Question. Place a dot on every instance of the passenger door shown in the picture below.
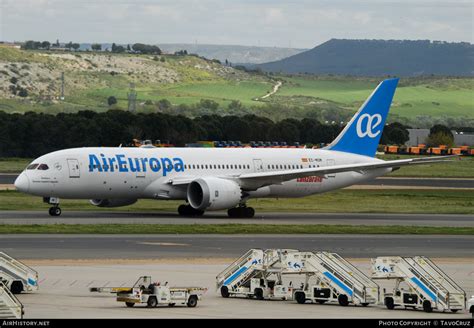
(73, 165)
(331, 162)
(258, 165)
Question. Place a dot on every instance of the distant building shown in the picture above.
(418, 136)
(463, 139)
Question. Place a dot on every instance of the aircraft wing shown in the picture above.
(257, 180)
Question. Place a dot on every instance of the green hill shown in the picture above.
(380, 58)
(90, 78)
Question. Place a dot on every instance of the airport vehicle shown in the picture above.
(470, 305)
(257, 274)
(209, 179)
(419, 284)
(17, 276)
(331, 278)
(144, 291)
(10, 306)
(325, 277)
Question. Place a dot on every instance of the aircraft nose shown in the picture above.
(22, 183)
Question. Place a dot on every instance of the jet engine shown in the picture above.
(112, 202)
(210, 193)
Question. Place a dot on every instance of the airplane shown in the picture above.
(210, 179)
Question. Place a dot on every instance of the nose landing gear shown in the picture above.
(55, 210)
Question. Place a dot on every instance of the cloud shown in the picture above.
(303, 23)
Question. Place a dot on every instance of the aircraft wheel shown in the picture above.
(55, 211)
(182, 210)
(232, 212)
(249, 212)
(188, 210)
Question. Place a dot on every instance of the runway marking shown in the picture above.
(161, 244)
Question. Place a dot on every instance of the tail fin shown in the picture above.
(362, 134)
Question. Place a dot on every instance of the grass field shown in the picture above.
(462, 167)
(227, 229)
(13, 165)
(345, 201)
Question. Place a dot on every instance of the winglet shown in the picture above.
(362, 134)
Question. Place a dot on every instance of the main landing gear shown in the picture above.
(241, 212)
(188, 210)
(54, 210)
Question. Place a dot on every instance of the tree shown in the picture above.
(117, 49)
(395, 133)
(164, 104)
(45, 45)
(146, 49)
(128, 48)
(32, 45)
(398, 136)
(441, 128)
(111, 100)
(96, 47)
(440, 135)
(209, 104)
(23, 93)
(235, 105)
(439, 138)
(76, 46)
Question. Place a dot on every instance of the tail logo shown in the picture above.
(373, 121)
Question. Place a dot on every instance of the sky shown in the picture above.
(275, 23)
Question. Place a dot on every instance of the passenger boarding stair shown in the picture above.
(10, 306)
(425, 278)
(339, 275)
(16, 275)
(254, 263)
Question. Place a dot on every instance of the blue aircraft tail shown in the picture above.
(362, 134)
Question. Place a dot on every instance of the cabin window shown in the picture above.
(32, 166)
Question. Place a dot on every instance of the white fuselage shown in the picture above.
(134, 173)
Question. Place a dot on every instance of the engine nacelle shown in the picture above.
(212, 193)
(112, 202)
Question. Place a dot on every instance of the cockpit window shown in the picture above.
(32, 166)
(43, 167)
